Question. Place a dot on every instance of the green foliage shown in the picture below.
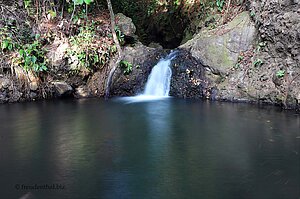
(240, 58)
(7, 44)
(126, 66)
(258, 62)
(32, 56)
(6, 41)
(87, 49)
(260, 46)
(220, 4)
(120, 35)
(52, 13)
(80, 2)
(237, 65)
(27, 3)
(280, 73)
(79, 15)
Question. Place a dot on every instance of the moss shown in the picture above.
(219, 56)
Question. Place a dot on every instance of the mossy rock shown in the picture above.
(219, 48)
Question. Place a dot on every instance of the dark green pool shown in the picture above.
(162, 149)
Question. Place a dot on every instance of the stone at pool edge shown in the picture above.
(62, 89)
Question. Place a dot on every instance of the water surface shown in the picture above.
(160, 149)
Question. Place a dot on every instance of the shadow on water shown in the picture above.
(157, 149)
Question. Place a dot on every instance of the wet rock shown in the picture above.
(62, 89)
(82, 92)
(188, 80)
(155, 45)
(142, 59)
(3, 96)
(96, 84)
(15, 96)
(33, 95)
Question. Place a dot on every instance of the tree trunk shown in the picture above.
(112, 64)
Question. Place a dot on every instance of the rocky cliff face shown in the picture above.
(278, 79)
(253, 59)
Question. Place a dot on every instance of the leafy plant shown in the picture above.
(260, 46)
(52, 14)
(7, 44)
(120, 35)
(237, 65)
(7, 41)
(80, 2)
(220, 4)
(258, 62)
(87, 49)
(32, 56)
(27, 3)
(240, 58)
(126, 66)
(280, 73)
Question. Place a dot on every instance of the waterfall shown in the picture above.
(158, 83)
(159, 80)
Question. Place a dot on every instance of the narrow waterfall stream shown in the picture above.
(158, 83)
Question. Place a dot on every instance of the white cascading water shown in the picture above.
(158, 83)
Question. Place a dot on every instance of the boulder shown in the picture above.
(56, 52)
(62, 89)
(188, 79)
(219, 48)
(96, 84)
(82, 92)
(125, 24)
(4, 83)
(3, 96)
(33, 86)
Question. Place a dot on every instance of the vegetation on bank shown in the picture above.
(34, 33)
(28, 27)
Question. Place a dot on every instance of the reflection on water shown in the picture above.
(158, 149)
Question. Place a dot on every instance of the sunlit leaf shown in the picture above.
(21, 52)
(33, 59)
(87, 1)
(4, 44)
(78, 2)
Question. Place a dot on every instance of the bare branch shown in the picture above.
(113, 65)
